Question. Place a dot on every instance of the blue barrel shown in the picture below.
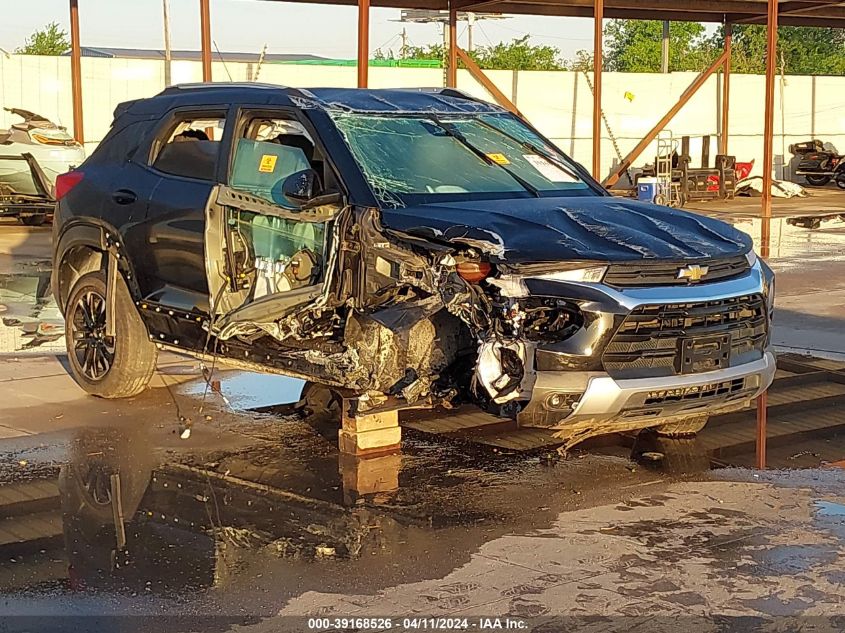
(646, 189)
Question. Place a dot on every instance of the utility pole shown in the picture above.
(470, 16)
(664, 66)
(168, 55)
(404, 50)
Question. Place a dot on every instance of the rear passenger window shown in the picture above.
(191, 148)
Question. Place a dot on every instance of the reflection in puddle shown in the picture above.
(830, 509)
(29, 317)
(246, 390)
(820, 238)
(672, 456)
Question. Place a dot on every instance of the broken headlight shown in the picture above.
(590, 274)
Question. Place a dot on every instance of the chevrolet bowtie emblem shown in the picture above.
(693, 272)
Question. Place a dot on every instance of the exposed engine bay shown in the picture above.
(391, 314)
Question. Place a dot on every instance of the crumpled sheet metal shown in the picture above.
(530, 230)
(408, 337)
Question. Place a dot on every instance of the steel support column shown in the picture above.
(598, 63)
(726, 89)
(768, 166)
(76, 72)
(363, 42)
(769, 124)
(452, 61)
(205, 38)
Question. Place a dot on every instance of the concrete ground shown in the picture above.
(256, 522)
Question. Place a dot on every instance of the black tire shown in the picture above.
(817, 181)
(33, 220)
(109, 368)
(683, 428)
(840, 181)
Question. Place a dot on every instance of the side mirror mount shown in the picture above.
(301, 187)
(304, 190)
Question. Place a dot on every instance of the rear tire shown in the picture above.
(683, 428)
(817, 181)
(107, 367)
(840, 181)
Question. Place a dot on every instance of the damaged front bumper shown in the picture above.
(563, 400)
(645, 356)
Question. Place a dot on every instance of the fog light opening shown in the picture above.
(560, 401)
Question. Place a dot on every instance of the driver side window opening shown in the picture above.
(278, 254)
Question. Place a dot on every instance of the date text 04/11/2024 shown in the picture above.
(419, 624)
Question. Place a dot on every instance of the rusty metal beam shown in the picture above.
(76, 72)
(768, 165)
(648, 138)
(363, 42)
(484, 80)
(769, 114)
(452, 62)
(713, 7)
(205, 38)
(726, 90)
(790, 8)
(598, 64)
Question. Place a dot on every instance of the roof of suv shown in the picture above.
(437, 100)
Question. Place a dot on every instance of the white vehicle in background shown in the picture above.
(32, 154)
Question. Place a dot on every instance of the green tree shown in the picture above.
(51, 40)
(636, 46)
(518, 54)
(801, 50)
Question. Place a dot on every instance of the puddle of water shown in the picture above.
(245, 390)
(830, 509)
(29, 317)
(794, 241)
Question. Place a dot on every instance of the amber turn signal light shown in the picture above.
(474, 272)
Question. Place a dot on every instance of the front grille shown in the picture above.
(648, 342)
(665, 273)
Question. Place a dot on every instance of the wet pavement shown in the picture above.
(256, 522)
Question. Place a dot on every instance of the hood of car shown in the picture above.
(527, 230)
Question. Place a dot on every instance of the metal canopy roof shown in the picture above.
(792, 12)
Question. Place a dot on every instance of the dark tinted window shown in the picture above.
(191, 148)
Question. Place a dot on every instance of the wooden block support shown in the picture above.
(370, 442)
(363, 434)
(369, 475)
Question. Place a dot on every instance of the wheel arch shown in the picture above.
(83, 247)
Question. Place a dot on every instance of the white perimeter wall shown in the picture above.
(557, 103)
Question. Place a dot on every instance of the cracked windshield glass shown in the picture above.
(418, 159)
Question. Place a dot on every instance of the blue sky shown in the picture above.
(246, 25)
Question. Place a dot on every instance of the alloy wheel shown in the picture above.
(93, 350)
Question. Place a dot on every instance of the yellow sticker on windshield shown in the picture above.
(499, 158)
(267, 164)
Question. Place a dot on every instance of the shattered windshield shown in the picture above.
(420, 158)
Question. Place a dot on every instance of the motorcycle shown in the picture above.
(818, 164)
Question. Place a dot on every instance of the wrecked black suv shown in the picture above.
(407, 248)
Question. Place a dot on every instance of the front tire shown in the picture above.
(817, 181)
(683, 428)
(108, 367)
